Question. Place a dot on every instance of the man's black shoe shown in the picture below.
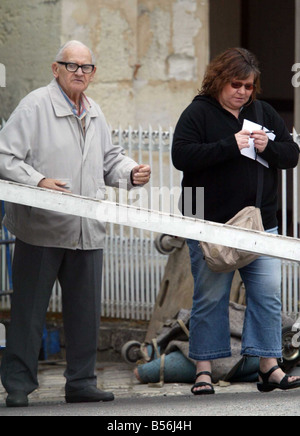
(17, 399)
(90, 394)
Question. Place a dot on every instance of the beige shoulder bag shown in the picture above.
(225, 259)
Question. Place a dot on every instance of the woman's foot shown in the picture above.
(271, 377)
(277, 375)
(204, 378)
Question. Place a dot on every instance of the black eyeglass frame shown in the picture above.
(66, 64)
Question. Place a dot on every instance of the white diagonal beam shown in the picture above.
(188, 228)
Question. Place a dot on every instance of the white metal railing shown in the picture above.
(291, 270)
(133, 269)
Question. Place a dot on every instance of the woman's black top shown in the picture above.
(205, 150)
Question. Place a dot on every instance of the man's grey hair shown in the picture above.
(60, 55)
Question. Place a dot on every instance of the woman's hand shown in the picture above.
(242, 139)
(260, 140)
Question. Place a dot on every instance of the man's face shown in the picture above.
(75, 83)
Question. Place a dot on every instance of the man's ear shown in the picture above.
(55, 69)
(93, 74)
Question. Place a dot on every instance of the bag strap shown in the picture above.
(260, 169)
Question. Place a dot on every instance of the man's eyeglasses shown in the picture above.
(238, 85)
(72, 68)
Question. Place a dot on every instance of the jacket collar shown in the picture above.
(60, 105)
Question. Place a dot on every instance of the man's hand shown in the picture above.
(141, 174)
(55, 185)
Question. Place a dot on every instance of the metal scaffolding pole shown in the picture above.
(252, 241)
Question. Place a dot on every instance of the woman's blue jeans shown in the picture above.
(209, 325)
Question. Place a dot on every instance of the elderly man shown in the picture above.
(57, 138)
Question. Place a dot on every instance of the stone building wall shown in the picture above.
(151, 54)
(29, 33)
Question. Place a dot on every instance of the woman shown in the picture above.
(207, 147)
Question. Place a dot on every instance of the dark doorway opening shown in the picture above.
(267, 28)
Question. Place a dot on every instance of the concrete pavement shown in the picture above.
(113, 377)
(135, 399)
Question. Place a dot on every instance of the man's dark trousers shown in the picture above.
(35, 270)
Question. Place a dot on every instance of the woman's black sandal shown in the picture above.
(202, 384)
(284, 385)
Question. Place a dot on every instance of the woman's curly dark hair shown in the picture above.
(233, 64)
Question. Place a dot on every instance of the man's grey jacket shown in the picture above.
(43, 138)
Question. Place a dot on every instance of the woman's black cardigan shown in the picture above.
(205, 150)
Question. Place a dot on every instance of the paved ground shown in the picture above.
(135, 399)
(115, 377)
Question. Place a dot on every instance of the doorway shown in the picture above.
(267, 28)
